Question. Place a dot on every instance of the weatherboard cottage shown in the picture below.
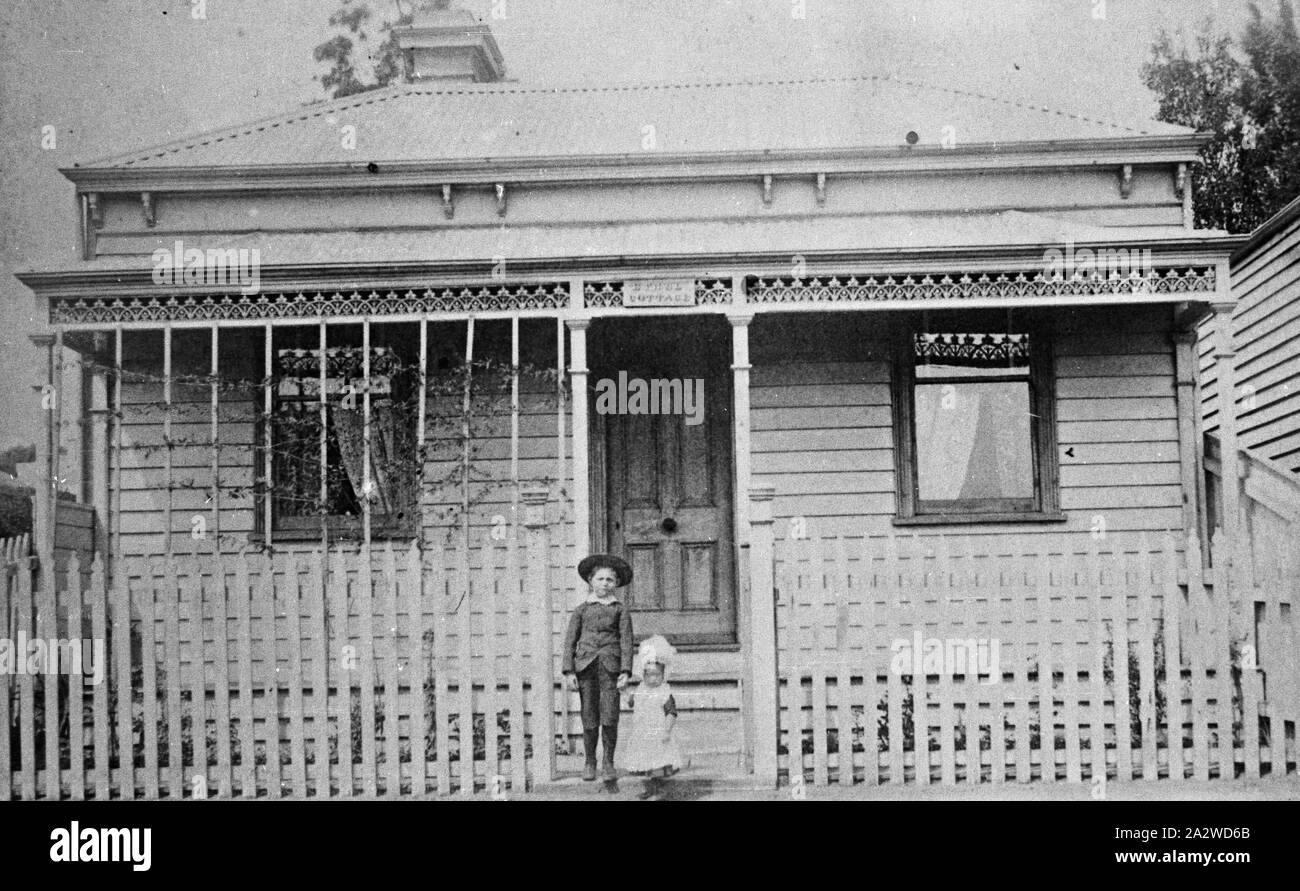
(938, 350)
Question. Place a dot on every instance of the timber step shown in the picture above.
(716, 771)
(692, 695)
(710, 730)
(712, 740)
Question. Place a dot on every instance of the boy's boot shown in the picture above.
(609, 736)
(589, 746)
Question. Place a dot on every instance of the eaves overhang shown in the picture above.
(376, 173)
(1268, 230)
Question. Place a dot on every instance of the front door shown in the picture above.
(668, 483)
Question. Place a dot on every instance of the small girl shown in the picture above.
(651, 749)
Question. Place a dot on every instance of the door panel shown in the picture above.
(646, 569)
(640, 448)
(696, 466)
(699, 569)
(668, 498)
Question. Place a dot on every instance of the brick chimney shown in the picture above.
(449, 44)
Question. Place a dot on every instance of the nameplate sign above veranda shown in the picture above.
(659, 292)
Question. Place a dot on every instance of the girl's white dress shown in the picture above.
(646, 750)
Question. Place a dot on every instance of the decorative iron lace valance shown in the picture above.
(973, 350)
(300, 369)
(1024, 285)
(151, 306)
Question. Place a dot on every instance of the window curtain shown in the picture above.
(975, 443)
(973, 437)
(392, 462)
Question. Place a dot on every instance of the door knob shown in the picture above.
(668, 525)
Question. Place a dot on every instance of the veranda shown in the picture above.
(429, 666)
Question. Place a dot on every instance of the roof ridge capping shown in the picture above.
(313, 109)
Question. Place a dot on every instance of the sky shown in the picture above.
(115, 75)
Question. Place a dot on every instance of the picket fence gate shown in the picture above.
(854, 708)
(327, 675)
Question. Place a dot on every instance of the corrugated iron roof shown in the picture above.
(422, 122)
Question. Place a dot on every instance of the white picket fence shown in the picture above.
(1206, 690)
(325, 678)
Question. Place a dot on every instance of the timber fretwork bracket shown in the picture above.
(92, 219)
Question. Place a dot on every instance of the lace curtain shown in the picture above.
(392, 460)
(973, 434)
(973, 441)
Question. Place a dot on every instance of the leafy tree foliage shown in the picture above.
(353, 22)
(1245, 92)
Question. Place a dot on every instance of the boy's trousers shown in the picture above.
(598, 691)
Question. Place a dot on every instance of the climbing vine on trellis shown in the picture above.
(447, 467)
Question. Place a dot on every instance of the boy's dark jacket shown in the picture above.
(598, 630)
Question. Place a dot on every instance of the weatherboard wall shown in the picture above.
(822, 436)
(1266, 336)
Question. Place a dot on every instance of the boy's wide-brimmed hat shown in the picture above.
(600, 561)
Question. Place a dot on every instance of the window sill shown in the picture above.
(967, 519)
(336, 536)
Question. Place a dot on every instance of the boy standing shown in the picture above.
(597, 656)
